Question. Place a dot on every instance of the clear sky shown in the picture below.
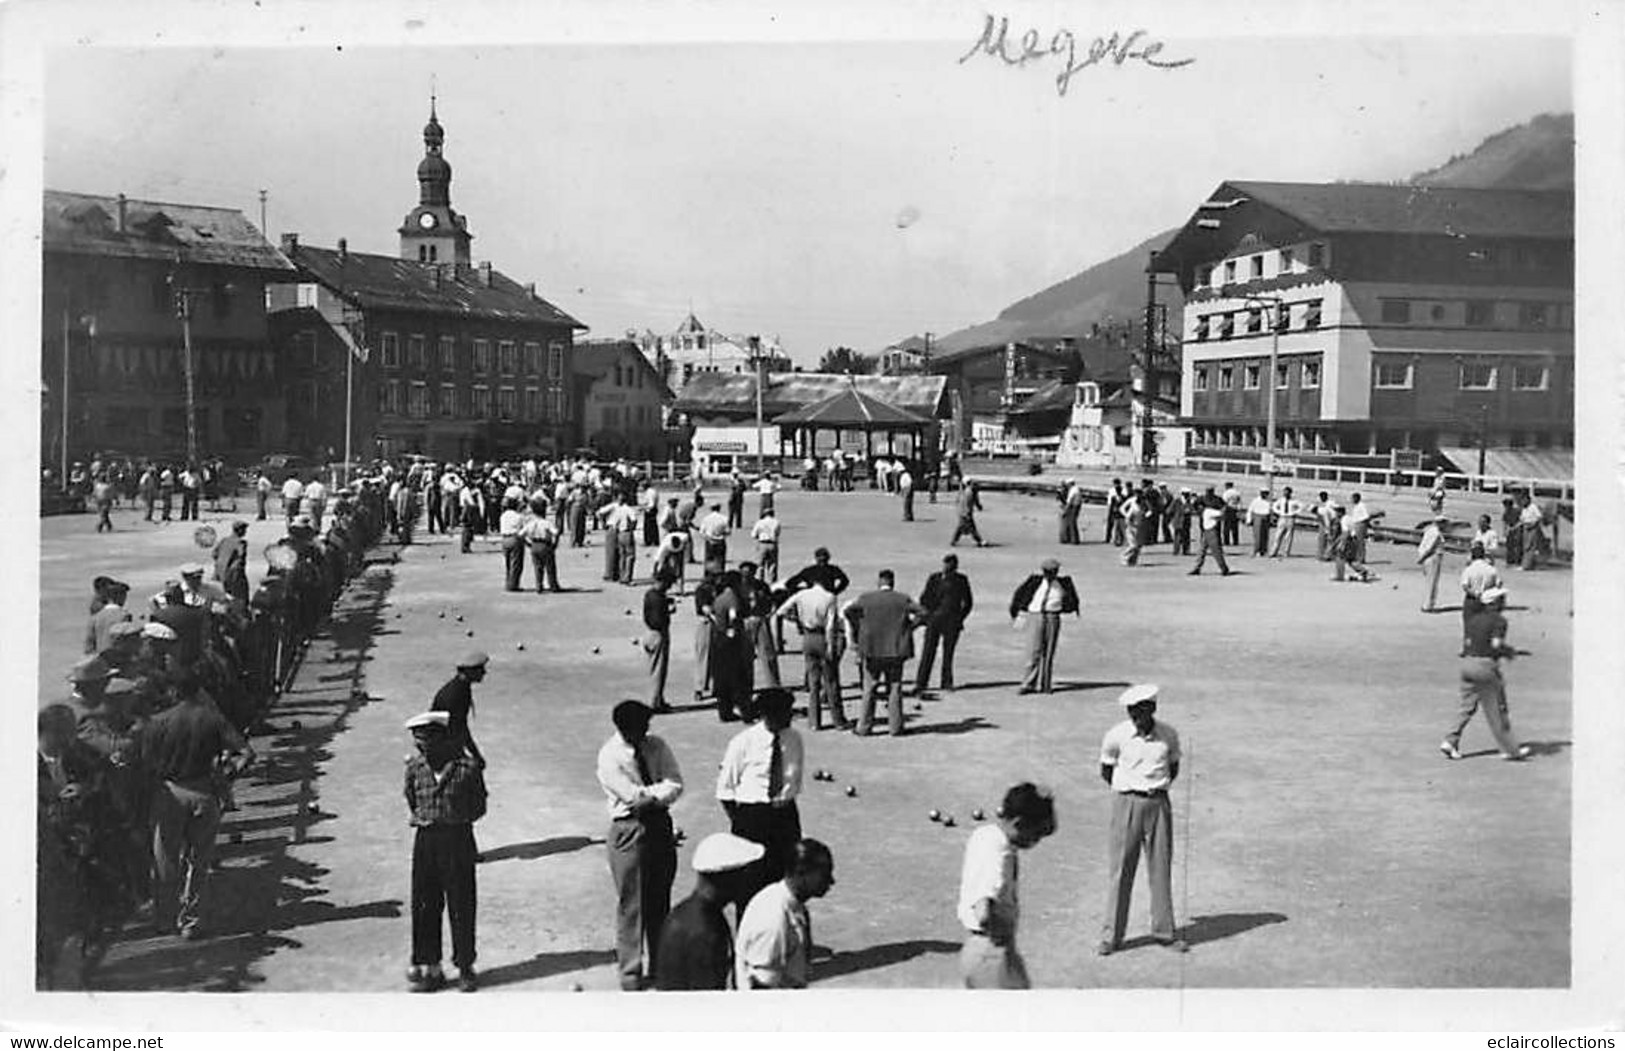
(830, 192)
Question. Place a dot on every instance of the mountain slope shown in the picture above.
(1538, 154)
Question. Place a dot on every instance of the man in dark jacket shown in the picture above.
(947, 600)
(696, 946)
(1044, 596)
(882, 625)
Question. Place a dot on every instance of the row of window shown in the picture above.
(611, 416)
(418, 400)
(1394, 375)
(420, 354)
(1252, 375)
(1285, 262)
(628, 375)
(1476, 313)
(1251, 320)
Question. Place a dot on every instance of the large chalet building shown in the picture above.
(118, 275)
(1407, 320)
(623, 402)
(431, 353)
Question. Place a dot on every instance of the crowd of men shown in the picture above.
(135, 765)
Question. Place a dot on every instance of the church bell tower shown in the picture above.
(433, 232)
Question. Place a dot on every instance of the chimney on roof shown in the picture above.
(530, 289)
(123, 211)
(344, 251)
(290, 243)
(485, 274)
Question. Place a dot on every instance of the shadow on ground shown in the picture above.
(540, 848)
(545, 965)
(260, 893)
(837, 964)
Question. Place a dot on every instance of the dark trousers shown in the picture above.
(1230, 526)
(966, 527)
(1211, 546)
(259, 505)
(1261, 535)
(104, 510)
(777, 828)
(643, 863)
(882, 673)
(468, 533)
(736, 513)
(731, 673)
(1043, 638)
(823, 682)
(626, 557)
(544, 561)
(948, 634)
(908, 505)
(189, 504)
(443, 879)
(513, 559)
(437, 524)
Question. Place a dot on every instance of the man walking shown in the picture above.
(989, 902)
(1139, 759)
(1484, 646)
(641, 781)
(231, 562)
(445, 795)
(882, 623)
(968, 503)
(947, 601)
(1430, 556)
(1044, 597)
(657, 610)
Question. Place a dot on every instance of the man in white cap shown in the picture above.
(1139, 759)
(445, 793)
(1430, 556)
(696, 944)
(1484, 645)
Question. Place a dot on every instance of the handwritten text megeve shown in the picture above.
(995, 41)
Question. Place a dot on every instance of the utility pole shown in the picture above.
(349, 356)
(67, 314)
(183, 307)
(758, 361)
(263, 195)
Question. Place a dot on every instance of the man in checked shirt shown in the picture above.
(639, 775)
(445, 792)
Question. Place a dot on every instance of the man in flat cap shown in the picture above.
(231, 562)
(1139, 759)
(111, 594)
(1044, 597)
(445, 794)
(696, 944)
(641, 780)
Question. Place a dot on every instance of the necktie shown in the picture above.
(775, 770)
(643, 763)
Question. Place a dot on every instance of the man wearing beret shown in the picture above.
(696, 945)
(1139, 759)
(456, 699)
(1043, 596)
(445, 793)
(641, 781)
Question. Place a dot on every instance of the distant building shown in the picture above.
(721, 409)
(622, 402)
(905, 357)
(116, 273)
(452, 360)
(693, 349)
(1411, 321)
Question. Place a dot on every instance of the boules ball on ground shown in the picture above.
(977, 815)
(851, 790)
(948, 821)
(935, 815)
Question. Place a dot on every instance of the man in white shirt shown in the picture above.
(1139, 759)
(1479, 576)
(1430, 556)
(1043, 597)
(509, 527)
(766, 534)
(1326, 527)
(1230, 532)
(775, 932)
(641, 781)
(766, 487)
(905, 486)
(989, 902)
(713, 530)
(292, 492)
(316, 501)
(451, 503)
(813, 610)
(1487, 537)
(1358, 523)
(1286, 511)
(541, 537)
(1258, 519)
(758, 783)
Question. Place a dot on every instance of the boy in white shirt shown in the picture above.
(989, 904)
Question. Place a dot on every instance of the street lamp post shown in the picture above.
(1269, 383)
(183, 308)
(757, 360)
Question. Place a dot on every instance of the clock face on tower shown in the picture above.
(427, 221)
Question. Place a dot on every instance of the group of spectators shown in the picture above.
(134, 767)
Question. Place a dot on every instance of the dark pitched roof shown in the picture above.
(852, 408)
(1457, 211)
(593, 359)
(725, 392)
(87, 224)
(382, 281)
(1054, 396)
